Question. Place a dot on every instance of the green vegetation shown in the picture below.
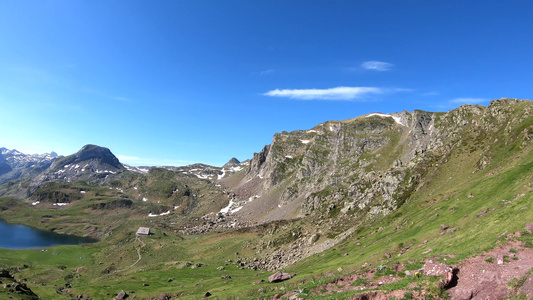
(480, 191)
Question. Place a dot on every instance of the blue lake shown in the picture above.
(13, 236)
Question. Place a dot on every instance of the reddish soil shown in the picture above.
(482, 279)
(489, 275)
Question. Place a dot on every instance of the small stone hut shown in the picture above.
(143, 231)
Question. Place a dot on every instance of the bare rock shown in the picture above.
(313, 239)
(122, 295)
(435, 268)
(482, 213)
(427, 251)
(259, 282)
(280, 276)
(529, 227)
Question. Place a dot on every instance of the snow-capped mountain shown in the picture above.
(15, 164)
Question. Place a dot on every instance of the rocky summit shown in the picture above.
(379, 206)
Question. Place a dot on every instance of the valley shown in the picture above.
(356, 209)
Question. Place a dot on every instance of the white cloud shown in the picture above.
(469, 100)
(266, 72)
(337, 93)
(377, 65)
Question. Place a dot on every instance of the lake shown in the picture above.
(14, 236)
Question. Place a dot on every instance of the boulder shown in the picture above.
(435, 268)
(280, 276)
(122, 295)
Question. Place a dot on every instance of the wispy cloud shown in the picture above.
(266, 72)
(337, 93)
(106, 95)
(469, 100)
(375, 65)
(118, 98)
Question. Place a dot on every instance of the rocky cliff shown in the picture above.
(341, 174)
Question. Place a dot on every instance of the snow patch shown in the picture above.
(82, 192)
(253, 198)
(35, 203)
(289, 156)
(236, 210)
(305, 141)
(202, 176)
(220, 176)
(60, 204)
(151, 215)
(312, 131)
(396, 119)
(226, 209)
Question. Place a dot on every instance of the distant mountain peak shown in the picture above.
(91, 152)
(232, 162)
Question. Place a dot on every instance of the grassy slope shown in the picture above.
(503, 190)
(453, 194)
(164, 257)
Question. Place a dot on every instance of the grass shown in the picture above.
(490, 260)
(441, 197)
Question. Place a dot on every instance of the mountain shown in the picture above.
(342, 174)
(371, 163)
(371, 207)
(17, 165)
(92, 164)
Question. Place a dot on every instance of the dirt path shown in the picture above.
(138, 251)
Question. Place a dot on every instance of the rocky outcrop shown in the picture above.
(10, 288)
(341, 173)
(279, 277)
(367, 166)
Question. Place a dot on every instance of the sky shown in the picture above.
(176, 82)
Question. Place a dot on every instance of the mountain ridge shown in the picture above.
(374, 197)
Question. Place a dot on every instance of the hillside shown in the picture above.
(353, 207)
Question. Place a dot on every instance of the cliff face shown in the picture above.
(370, 165)
(340, 175)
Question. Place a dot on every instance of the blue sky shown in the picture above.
(179, 82)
